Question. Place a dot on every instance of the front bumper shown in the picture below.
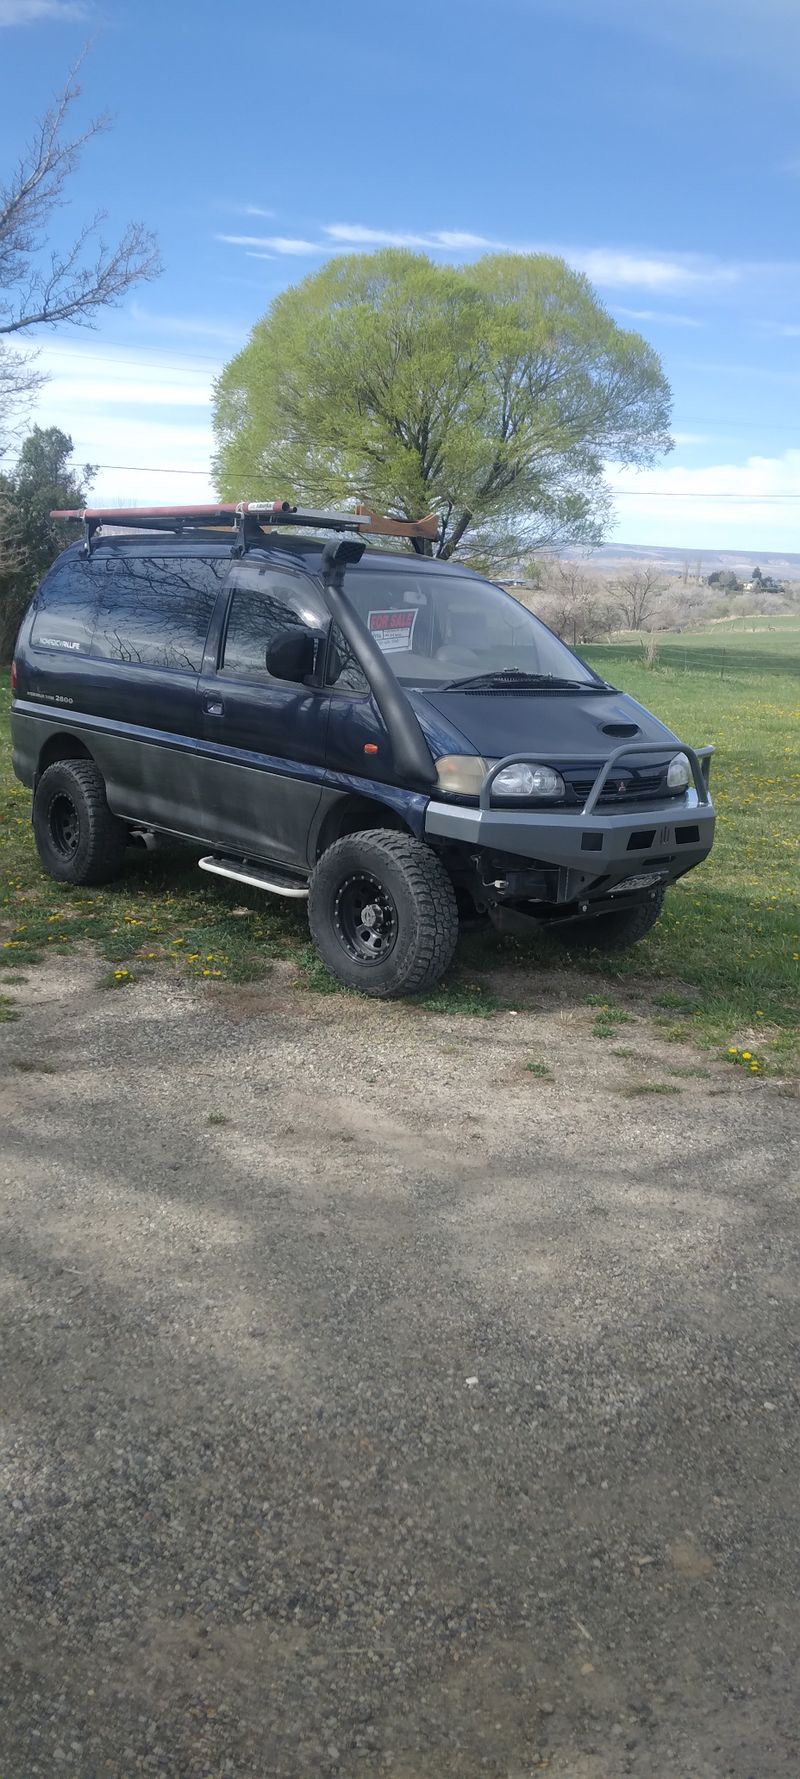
(671, 836)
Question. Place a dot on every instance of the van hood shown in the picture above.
(494, 724)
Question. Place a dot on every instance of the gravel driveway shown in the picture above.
(424, 1418)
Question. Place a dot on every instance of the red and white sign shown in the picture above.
(393, 630)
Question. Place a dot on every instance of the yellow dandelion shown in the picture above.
(745, 1056)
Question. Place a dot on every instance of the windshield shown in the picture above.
(440, 629)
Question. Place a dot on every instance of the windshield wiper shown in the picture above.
(516, 678)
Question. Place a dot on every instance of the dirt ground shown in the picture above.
(417, 1416)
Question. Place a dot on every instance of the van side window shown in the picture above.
(343, 669)
(66, 608)
(155, 610)
(265, 602)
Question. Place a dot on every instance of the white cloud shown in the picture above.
(665, 316)
(30, 12)
(762, 492)
(605, 265)
(648, 271)
(609, 267)
(87, 392)
(142, 416)
(131, 374)
(278, 243)
(354, 234)
(184, 327)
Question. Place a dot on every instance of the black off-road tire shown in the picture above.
(405, 889)
(616, 931)
(78, 839)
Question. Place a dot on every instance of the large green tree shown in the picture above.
(492, 394)
(44, 478)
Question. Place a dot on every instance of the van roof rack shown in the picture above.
(247, 520)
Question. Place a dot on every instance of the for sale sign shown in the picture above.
(393, 630)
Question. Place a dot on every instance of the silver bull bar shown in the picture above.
(699, 760)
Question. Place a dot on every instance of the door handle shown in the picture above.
(213, 707)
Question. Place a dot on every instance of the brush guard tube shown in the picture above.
(699, 760)
(602, 846)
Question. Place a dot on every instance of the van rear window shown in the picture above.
(66, 608)
(155, 611)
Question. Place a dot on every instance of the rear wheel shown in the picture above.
(382, 913)
(615, 931)
(78, 838)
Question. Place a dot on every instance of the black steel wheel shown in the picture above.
(382, 913)
(64, 825)
(365, 918)
(78, 838)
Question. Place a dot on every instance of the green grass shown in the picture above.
(730, 929)
(727, 947)
(607, 1016)
(455, 996)
(161, 914)
(721, 968)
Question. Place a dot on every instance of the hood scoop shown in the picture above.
(623, 731)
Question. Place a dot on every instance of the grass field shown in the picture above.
(722, 967)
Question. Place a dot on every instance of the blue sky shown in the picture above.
(655, 143)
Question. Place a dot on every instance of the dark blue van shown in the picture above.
(385, 734)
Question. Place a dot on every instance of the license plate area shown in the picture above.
(642, 880)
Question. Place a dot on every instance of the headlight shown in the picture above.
(528, 781)
(461, 774)
(679, 773)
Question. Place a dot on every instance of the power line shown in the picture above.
(149, 469)
(165, 469)
(89, 356)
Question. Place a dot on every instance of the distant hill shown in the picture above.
(783, 565)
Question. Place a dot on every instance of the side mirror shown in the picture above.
(293, 653)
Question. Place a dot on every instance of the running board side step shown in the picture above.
(242, 871)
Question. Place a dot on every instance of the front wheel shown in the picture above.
(615, 931)
(382, 913)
